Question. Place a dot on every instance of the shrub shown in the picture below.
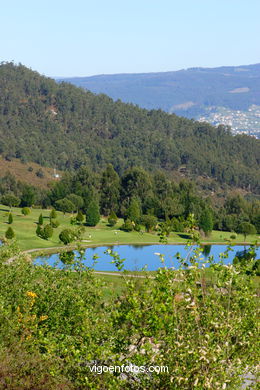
(54, 223)
(9, 234)
(80, 217)
(26, 211)
(149, 222)
(67, 257)
(79, 231)
(53, 214)
(67, 236)
(177, 226)
(127, 226)
(73, 221)
(47, 232)
(112, 219)
(137, 227)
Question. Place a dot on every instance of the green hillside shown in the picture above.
(63, 126)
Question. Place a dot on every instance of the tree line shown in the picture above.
(137, 196)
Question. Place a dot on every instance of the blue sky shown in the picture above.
(82, 38)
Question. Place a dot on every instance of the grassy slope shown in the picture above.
(25, 227)
(21, 172)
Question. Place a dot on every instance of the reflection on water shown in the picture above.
(138, 256)
(136, 246)
(206, 250)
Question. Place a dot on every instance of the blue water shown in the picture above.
(138, 256)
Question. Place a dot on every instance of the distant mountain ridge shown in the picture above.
(190, 93)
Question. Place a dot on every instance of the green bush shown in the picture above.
(54, 223)
(9, 234)
(45, 232)
(127, 226)
(56, 324)
(67, 236)
(53, 214)
(26, 211)
(149, 222)
(67, 257)
(112, 219)
(80, 217)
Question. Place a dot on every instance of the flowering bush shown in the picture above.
(200, 322)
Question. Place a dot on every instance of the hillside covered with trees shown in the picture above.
(66, 127)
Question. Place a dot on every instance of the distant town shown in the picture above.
(241, 122)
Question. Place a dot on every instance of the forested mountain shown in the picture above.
(60, 125)
(185, 92)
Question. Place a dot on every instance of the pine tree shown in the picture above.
(9, 234)
(39, 230)
(53, 214)
(40, 220)
(10, 218)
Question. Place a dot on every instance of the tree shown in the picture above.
(136, 183)
(79, 217)
(28, 196)
(53, 214)
(39, 230)
(76, 200)
(10, 218)
(134, 211)
(40, 220)
(9, 234)
(246, 228)
(92, 214)
(149, 221)
(110, 185)
(40, 173)
(65, 205)
(47, 232)
(206, 221)
(10, 200)
(67, 236)
(26, 211)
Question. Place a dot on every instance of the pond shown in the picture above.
(139, 256)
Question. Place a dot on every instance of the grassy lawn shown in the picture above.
(25, 231)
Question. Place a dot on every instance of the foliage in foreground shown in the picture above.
(203, 329)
